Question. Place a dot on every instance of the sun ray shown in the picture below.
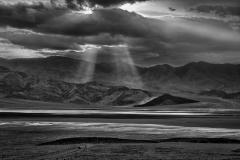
(87, 67)
(137, 81)
(117, 66)
(125, 67)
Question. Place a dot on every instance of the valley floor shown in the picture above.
(22, 130)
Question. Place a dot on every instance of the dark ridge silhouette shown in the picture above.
(221, 94)
(3, 68)
(215, 93)
(79, 140)
(167, 99)
(96, 140)
(236, 150)
(202, 140)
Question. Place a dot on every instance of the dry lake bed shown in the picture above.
(118, 133)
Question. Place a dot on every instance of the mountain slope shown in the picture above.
(192, 77)
(221, 94)
(167, 99)
(14, 84)
(59, 68)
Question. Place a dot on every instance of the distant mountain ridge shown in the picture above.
(167, 99)
(221, 94)
(19, 85)
(193, 77)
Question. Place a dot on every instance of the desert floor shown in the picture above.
(26, 124)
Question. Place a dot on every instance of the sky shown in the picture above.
(142, 32)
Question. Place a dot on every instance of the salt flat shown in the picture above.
(25, 124)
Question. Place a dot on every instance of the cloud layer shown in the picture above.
(56, 28)
(218, 10)
(81, 4)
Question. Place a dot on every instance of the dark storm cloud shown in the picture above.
(228, 14)
(80, 4)
(218, 10)
(48, 19)
(188, 3)
(57, 42)
(144, 37)
(23, 15)
(112, 21)
(118, 24)
(150, 41)
(43, 41)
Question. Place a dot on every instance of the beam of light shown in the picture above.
(137, 79)
(201, 28)
(87, 67)
(119, 68)
(125, 65)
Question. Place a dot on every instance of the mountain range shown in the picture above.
(20, 85)
(166, 99)
(192, 77)
(221, 94)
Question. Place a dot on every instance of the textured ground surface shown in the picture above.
(19, 140)
(20, 134)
